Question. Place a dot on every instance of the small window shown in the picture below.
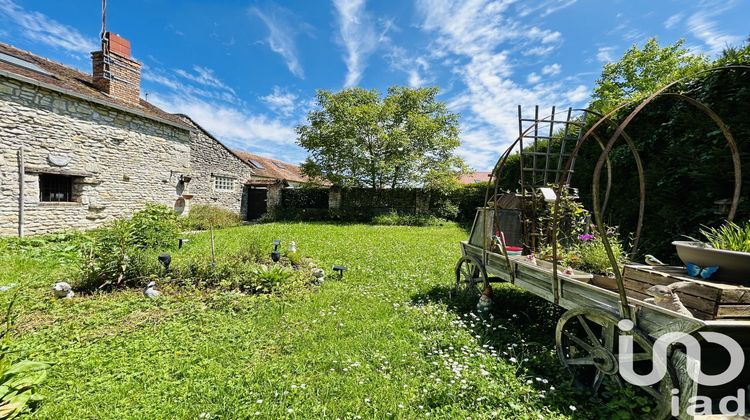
(55, 188)
(279, 165)
(223, 183)
(256, 163)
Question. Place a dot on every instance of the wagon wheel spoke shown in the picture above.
(592, 337)
(581, 361)
(578, 341)
(598, 379)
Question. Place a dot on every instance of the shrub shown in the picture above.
(154, 227)
(265, 279)
(445, 209)
(202, 216)
(113, 259)
(593, 256)
(123, 252)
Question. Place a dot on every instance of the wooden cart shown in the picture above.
(587, 334)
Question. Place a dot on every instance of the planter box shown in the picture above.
(705, 299)
(538, 278)
(734, 267)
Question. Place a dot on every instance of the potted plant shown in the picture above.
(592, 257)
(725, 251)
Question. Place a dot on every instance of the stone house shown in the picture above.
(219, 175)
(77, 150)
(270, 176)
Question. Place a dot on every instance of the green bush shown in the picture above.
(154, 227)
(593, 256)
(115, 258)
(123, 252)
(202, 216)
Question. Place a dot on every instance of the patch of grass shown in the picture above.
(388, 340)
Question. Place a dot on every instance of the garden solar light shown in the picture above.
(165, 260)
(340, 270)
(181, 242)
(275, 254)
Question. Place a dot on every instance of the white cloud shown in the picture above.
(477, 38)
(280, 101)
(703, 27)
(204, 76)
(604, 54)
(39, 27)
(543, 8)
(673, 20)
(551, 69)
(356, 35)
(281, 35)
(235, 126)
(578, 94)
(415, 68)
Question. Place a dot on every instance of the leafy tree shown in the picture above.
(355, 137)
(642, 71)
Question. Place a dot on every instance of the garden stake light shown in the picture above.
(275, 254)
(181, 242)
(340, 270)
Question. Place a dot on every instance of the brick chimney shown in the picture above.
(115, 72)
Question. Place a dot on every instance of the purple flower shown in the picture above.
(585, 237)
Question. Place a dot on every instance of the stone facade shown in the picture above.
(210, 160)
(116, 161)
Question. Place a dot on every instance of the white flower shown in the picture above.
(513, 360)
(259, 401)
(290, 410)
(572, 408)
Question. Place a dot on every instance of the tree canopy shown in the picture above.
(642, 71)
(356, 137)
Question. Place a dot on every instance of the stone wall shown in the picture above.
(118, 161)
(210, 159)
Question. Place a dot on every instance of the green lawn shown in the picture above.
(386, 341)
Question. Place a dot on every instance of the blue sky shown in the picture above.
(248, 70)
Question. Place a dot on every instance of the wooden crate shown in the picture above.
(705, 299)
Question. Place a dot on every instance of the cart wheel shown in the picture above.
(471, 276)
(587, 345)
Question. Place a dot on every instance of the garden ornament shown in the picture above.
(62, 289)
(319, 273)
(531, 259)
(704, 272)
(665, 297)
(568, 271)
(292, 247)
(150, 290)
(653, 261)
(485, 301)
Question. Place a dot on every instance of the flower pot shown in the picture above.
(734, 266)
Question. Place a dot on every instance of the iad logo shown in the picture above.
(700, 405)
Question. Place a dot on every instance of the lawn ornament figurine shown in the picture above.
(653, 261)
(62, 289)
(150, 290)
(485, 301)
(665, 297)
(292, 247)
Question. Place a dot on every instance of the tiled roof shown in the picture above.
(75, 83)
(272, 168)
(474, 177)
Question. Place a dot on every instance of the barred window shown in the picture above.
(223, 183)
(55, 188)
